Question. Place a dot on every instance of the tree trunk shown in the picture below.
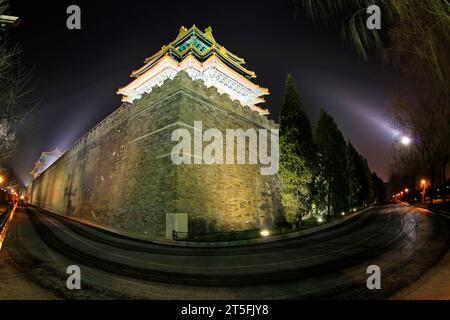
(444, 181)
(432, 184)
(412, 192)
(329, 197)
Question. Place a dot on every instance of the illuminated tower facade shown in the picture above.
(120, 175)
(202, 58)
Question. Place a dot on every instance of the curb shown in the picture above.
(440, 212)
(4, 230)
(237, 243)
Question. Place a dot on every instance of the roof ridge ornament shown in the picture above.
(183, 30)
(209, 35)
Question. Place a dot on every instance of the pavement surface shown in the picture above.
(409, 244)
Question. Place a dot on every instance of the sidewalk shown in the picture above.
(15, 286)
(433, 285)
(442, 209)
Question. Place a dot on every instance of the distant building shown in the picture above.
(45, 160)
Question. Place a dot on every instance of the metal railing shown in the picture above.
(4, 217)
(214, 236)
(225, 236)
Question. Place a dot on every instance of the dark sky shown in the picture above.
(78, 72)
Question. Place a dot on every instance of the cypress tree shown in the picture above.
(360, 180)
(355, 174)
(368, 185)
(297, 155)
(378, 188)
(295, 124)
(332, 160)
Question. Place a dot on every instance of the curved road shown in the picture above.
(402, 240)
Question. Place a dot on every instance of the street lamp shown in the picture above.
(405, 140)
(8, 21)
(424, 183)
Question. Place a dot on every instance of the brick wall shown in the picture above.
(120, 175)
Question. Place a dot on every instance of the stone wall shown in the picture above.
(120, 175)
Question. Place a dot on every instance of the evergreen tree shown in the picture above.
(297, 155)
(367, 189)
(378, 188)
(295, 179)
(295, 124)
(355, 174)
(332, 159)
(360, 180)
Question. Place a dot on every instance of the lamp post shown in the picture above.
(405, 141)
(423, 183)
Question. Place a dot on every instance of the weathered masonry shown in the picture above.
(120, 175)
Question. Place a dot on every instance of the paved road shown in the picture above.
(403, 240)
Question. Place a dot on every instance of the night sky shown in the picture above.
(77, 72)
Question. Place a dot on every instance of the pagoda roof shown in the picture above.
(200, 44)
(40, 165)
(55, 153)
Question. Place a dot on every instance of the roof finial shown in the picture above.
(183, 30)
(208, 33)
